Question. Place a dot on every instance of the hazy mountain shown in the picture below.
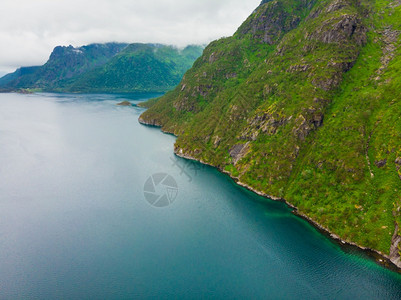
(108, 67)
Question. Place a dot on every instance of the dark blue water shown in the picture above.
(75, 224)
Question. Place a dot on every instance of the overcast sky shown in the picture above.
(30, 29)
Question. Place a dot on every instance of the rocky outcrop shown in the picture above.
(338, 29)
(328, 83)
(150, 122)
(381, 163)
(336, 5)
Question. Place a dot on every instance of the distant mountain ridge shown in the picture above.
(138, 67)
(23, 71)
(64, 63)
(111, 67)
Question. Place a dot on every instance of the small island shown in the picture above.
(125, 103)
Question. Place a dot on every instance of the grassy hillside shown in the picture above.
(303, 103)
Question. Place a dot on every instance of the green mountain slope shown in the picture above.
(24, 71)
(139, 67)
(64, 63)
(108, 67)
(303, 104)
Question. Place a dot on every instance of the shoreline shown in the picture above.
(379, 257)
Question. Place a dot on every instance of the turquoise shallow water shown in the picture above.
(75, 224)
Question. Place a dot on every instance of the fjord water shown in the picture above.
(74, 222)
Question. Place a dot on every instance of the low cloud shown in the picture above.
(29, 30)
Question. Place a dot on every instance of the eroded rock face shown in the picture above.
(389, 39)
(395, 3)
(338, 29)
(184, 104)
(265, 123)
(395, 247)
(238, 151)
(298, 68)
(212, 58)
(337, 69)
(330, 83)
(336, 5)
(305, 124)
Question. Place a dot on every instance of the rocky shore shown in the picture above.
(379, 257)
(392, 263)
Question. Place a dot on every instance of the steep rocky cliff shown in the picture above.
(302, 103)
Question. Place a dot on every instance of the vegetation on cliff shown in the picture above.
(303, 103)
